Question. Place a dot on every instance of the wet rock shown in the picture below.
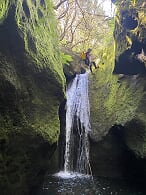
(130, 37)
(32, 88)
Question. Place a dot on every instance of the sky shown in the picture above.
(108, 7)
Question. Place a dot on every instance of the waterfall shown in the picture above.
(77, 126)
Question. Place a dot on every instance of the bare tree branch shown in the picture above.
(81, 22)
(64, 13)
(59, 4)
(64, 29)
(79, 42)
(81, 11)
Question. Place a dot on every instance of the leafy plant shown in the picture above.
(65, 58)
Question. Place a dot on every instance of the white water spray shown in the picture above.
(78, 114)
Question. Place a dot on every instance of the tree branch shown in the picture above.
(59, 4)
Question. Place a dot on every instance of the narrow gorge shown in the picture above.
(56, 116)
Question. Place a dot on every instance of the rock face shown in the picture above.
(117, 102)
(31, 90)
(120, 101)
(108, 156)
(130, 37)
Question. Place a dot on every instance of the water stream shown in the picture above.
(77, 115)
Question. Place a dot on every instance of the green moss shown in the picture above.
(32, 87)
(113, 101)
(124, 36)
(43, 85)
(40, 36)
(3, 9)
(48, 128)
(24, 156)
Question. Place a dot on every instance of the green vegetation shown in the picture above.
(65, 58)
(32, 87)
(116, 101)
(120, 100)
(38, 25)
(32, 83)
(3, 9)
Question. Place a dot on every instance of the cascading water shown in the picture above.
(77, 117)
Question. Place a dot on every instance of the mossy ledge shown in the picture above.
(32, 88)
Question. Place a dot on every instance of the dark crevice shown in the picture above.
(26, 9)
(69, 78)
(31, 43)
(40, 14)
(42, 3)
(8, 97)
(10, 39)
(129, 23)
(128, 63)
(111, 157)
(144, 44)
(62, 138)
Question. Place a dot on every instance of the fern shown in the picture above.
(65, 58)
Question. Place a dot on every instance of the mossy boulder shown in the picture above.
(32, 88)
(130, 37)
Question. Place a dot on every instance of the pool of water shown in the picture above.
(76, 184)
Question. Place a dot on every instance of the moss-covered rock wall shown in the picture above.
(130, 37)
(31, 90)
(116, 101)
